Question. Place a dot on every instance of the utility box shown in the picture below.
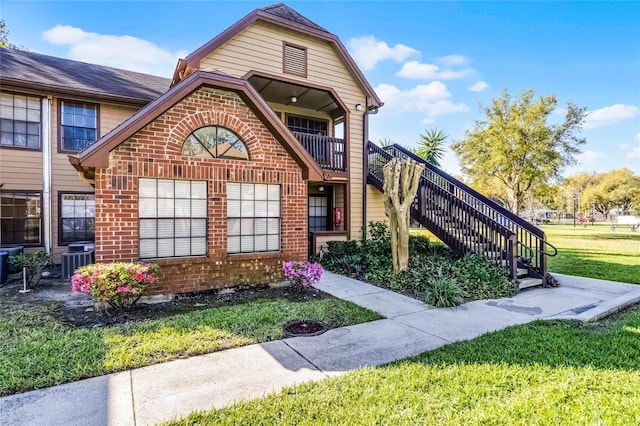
(74, 260)
(4, 266)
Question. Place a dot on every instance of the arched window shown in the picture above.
(216, 142)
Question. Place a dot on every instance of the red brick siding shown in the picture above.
(155, 152)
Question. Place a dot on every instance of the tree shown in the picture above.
(4, 37)
(517, 146)
(386, 142)
(401, 179)
(615, 189)
(430, 148)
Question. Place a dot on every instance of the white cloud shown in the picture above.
(480, 86)
(125, 52)
(624, 146)
(610, 115)
(367, 51)
(634, 153)
(420, 71)
(588, 157)
(453, 60)
(638, 136)
(431, 99)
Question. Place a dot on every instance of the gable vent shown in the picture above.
(295, 60)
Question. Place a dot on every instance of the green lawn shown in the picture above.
(595, 251)
(37, 349)
(543, 373)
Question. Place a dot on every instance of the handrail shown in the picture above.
(330, 153)
(530, 240)
(555, 250)
(461, 226)
(488, 201)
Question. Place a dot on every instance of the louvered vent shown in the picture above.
(295, 60)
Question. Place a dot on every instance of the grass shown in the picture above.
(543, 373)
(37, 349)
(595, 251)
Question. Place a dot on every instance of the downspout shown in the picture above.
(365, 161)
(46, 173)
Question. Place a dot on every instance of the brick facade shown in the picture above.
(155, 152)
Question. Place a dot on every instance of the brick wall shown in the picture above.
(155, 152)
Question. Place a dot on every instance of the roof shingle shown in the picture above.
(35, 70)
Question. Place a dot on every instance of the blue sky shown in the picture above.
(432, 63)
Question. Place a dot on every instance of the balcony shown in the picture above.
(328, 152)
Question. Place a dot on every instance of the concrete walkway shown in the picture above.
(171, 390)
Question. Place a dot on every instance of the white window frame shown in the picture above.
(20, 112)
(172, 218)
(253, 217)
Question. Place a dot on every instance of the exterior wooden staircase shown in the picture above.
(469, 222)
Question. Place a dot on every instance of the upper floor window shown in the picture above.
(19, 121)
(216, 142)
(312, 126)
(78, 125)
(294, 60)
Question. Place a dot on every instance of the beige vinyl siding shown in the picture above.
(259, 48)
(21, 169)
(375, 206)
(322, 240)
(65, 178)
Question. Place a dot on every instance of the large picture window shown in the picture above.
(20, 218)
(78, 125)
(19, 121)
(215, 142)
(173, 218)
(77, 217)
(253, 217)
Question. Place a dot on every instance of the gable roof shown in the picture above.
(31, 70)
(282, 15)
(97, 155)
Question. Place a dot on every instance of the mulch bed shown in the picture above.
(84, 316)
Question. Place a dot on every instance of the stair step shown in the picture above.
(529, 282)
(523, 272)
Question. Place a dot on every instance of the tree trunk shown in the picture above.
(401, 178)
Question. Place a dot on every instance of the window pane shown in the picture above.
(260, 226)
(261, 243)
(274, 192)
(183, 227)
(147, 188)
(198, 227)
(176, 227)
(198, 246)
(165, 247)
(183, 246)
(165, 189)
(183, 189)
(262, 192)
(183, 208)
(148, 249)
(233, 245)
(247, 192)
(246, 208)
(273, 242)
(199, 190)
(233, 227)
(274, 209)
(148, 228)
(147, 208)
(165, 228)
(246, 244)
(165, 207)
(261, 209)
(199, 208)
(233, 208)
(233, 191)
(246, 227)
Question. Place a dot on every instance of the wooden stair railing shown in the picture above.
(466, 220)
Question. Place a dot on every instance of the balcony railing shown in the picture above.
(329, 153)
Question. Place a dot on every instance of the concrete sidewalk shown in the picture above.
(170, 390)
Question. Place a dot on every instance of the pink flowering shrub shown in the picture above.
(302, 274)
(119, 284)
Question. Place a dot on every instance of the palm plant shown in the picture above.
(431, 146)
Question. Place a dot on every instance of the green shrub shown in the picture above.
(482, 279)
(443, 292)
(418, 245)
(34, 263)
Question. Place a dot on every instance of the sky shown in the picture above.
(433, 64)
